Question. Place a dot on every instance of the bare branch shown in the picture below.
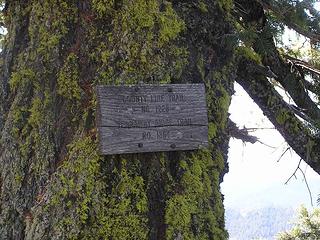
(288, 148)
(305, 180)
(304, 177)
(294, 173)
(267, 145)
(260, 128)
(305, 65)
(301, 113)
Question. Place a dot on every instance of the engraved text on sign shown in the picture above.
(150, 118)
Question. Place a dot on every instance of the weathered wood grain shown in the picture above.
(132, 140)
(148, 118)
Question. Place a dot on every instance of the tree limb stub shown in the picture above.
(241, 134)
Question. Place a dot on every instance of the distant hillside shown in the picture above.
(277, 194)
(260, 224)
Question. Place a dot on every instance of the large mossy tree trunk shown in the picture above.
(54, 183)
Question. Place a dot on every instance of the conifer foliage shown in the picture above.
(306, 227)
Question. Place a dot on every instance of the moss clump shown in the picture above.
(203, 6)
(170, 25)
(68, 79)
(212, 130)
(178, 216)
(190, 213)
(218, 101)
(76, 187)
(36, 113)
(18, 119)
(282, 116)
(21, 78)
(140, 44)
(225, 5)
(285, 118)
(54, 17)
(102, 7)
(126, 207)
(86, 200)
(248, 53)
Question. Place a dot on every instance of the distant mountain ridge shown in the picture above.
(263, 224)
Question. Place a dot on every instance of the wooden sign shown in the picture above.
(151, 118)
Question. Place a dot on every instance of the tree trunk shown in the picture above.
(54, 183)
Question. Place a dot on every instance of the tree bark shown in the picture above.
(54, 183)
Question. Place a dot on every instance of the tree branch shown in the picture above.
(276, 109)
(305, 180)
(284, 152)
(315, 37)
(311, 87)
(292, 82)
(309, 190)
(294, 173)
(305, 65)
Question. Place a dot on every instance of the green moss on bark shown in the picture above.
(81, 190)
(190, 213)
(68, 79)
(140, 44)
